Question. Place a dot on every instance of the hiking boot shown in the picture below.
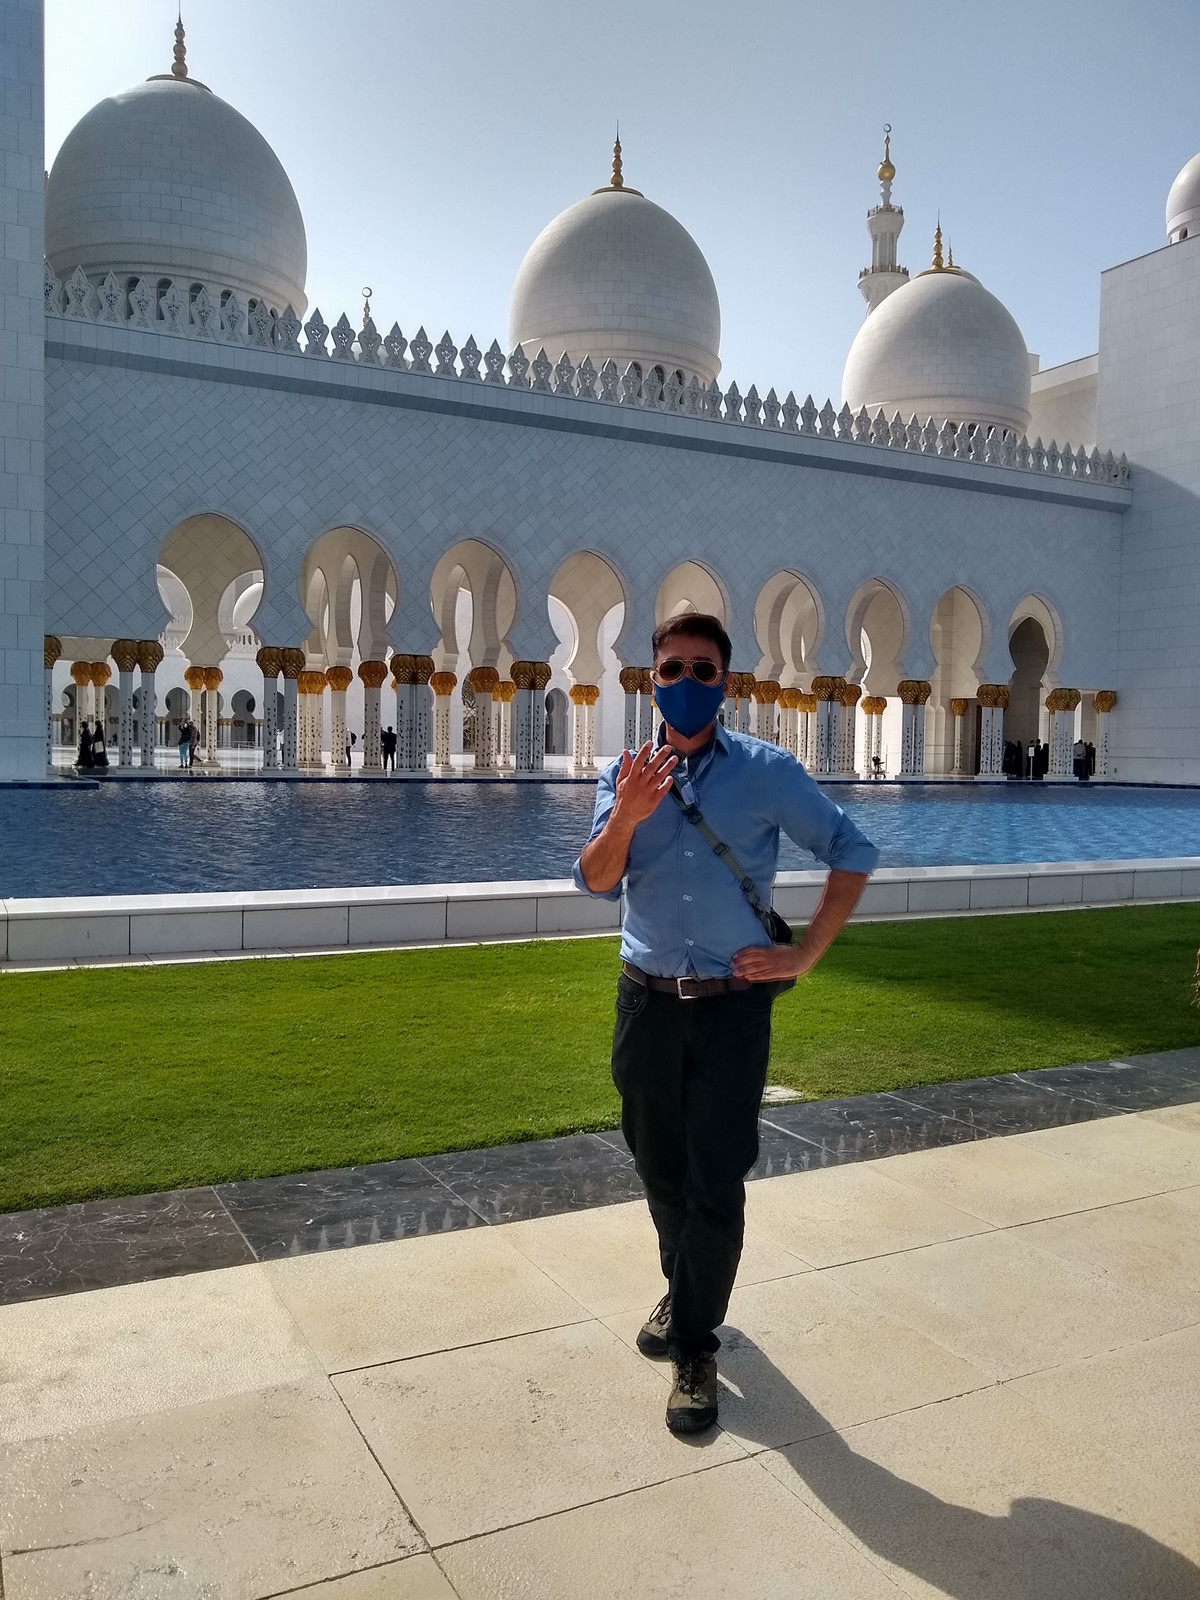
(652, 1339)
(693, 1403)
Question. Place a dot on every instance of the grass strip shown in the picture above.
(127, 1080)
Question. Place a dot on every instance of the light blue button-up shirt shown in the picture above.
(684, 911)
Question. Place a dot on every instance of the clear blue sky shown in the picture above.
(430, 143)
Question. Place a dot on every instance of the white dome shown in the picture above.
(616, 277)
(166, 180)
(941, 346)
(1183, 203)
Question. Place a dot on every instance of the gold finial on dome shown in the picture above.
(617, 181)
(886, 170)
(938, 264)
(179, 64)
(950, 267)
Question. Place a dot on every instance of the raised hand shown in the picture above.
(643, 779)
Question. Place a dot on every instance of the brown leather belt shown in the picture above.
(685, 988)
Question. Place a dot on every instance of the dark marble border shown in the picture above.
(66, 1249)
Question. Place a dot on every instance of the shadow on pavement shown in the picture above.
(1042, 1550)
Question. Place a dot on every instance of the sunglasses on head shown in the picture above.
(673, 668)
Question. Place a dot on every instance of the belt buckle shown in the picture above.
(688, 988)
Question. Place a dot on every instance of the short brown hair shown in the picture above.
(694, 625)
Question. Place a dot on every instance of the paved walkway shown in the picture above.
(968, 1371)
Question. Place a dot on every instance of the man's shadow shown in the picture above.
(1042, 1550)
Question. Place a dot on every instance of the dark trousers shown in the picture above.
(690, 1074)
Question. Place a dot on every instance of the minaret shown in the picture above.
(884, 223)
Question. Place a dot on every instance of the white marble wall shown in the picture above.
(22, 678)
(419, 463)
(1149, 399)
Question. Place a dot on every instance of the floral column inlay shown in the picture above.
(851, 695)
(339, 680)
(51, 652)
(828, 692)
(1061, 704)
(914, 694)
(1103, 702)
(484, 681)
(958, 710)
(291, 665)
(212, 682)
(442, 684)
(630, 680)
(873, 708)
(125, 654)
(372, 674)
(583, 697)
(270, 662)
(646, 707)
(149, 655)
(765, 695)
(788, 701)
(81, 677)
(505, 690)
(993, 703)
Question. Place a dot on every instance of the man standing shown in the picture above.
(699, 973)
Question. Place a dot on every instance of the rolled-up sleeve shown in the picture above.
(606, 799)
(812, 820)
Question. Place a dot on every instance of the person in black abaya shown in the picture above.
(84, 758)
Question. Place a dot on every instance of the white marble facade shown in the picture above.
(483, 535)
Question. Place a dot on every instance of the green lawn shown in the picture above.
(125, 1080)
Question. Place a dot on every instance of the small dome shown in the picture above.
(941, 346)
(1183, 203)
(615, 277)
(165, 180)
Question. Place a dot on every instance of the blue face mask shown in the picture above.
(688, 706)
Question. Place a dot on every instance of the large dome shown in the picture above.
(941, 346)
(1183, 203)
(166, 180)
(616, 277)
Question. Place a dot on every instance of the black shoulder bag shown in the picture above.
(778, 931)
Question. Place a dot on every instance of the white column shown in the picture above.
(269, 662)
(150, 654)
(647, 711)
(51, 652)
(504, 700)
(529, 737)
(848, 719)
(958, 710)
(766, 695)
(339, 680)
(993, 702)
(1062, 704)
(443, 684)
(828, 723)
(484, 681)
(291, 720)
(914, 693)
(631, 717)
(372, 674)
(1103, 702)
(212, 678)
(421, 721)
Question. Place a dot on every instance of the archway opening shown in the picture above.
(586, 601)
(957, 636)
(876, 632)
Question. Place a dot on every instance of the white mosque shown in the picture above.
(297, 528)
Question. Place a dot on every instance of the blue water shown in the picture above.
(127, 838)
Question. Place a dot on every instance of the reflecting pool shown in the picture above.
(179, 838)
